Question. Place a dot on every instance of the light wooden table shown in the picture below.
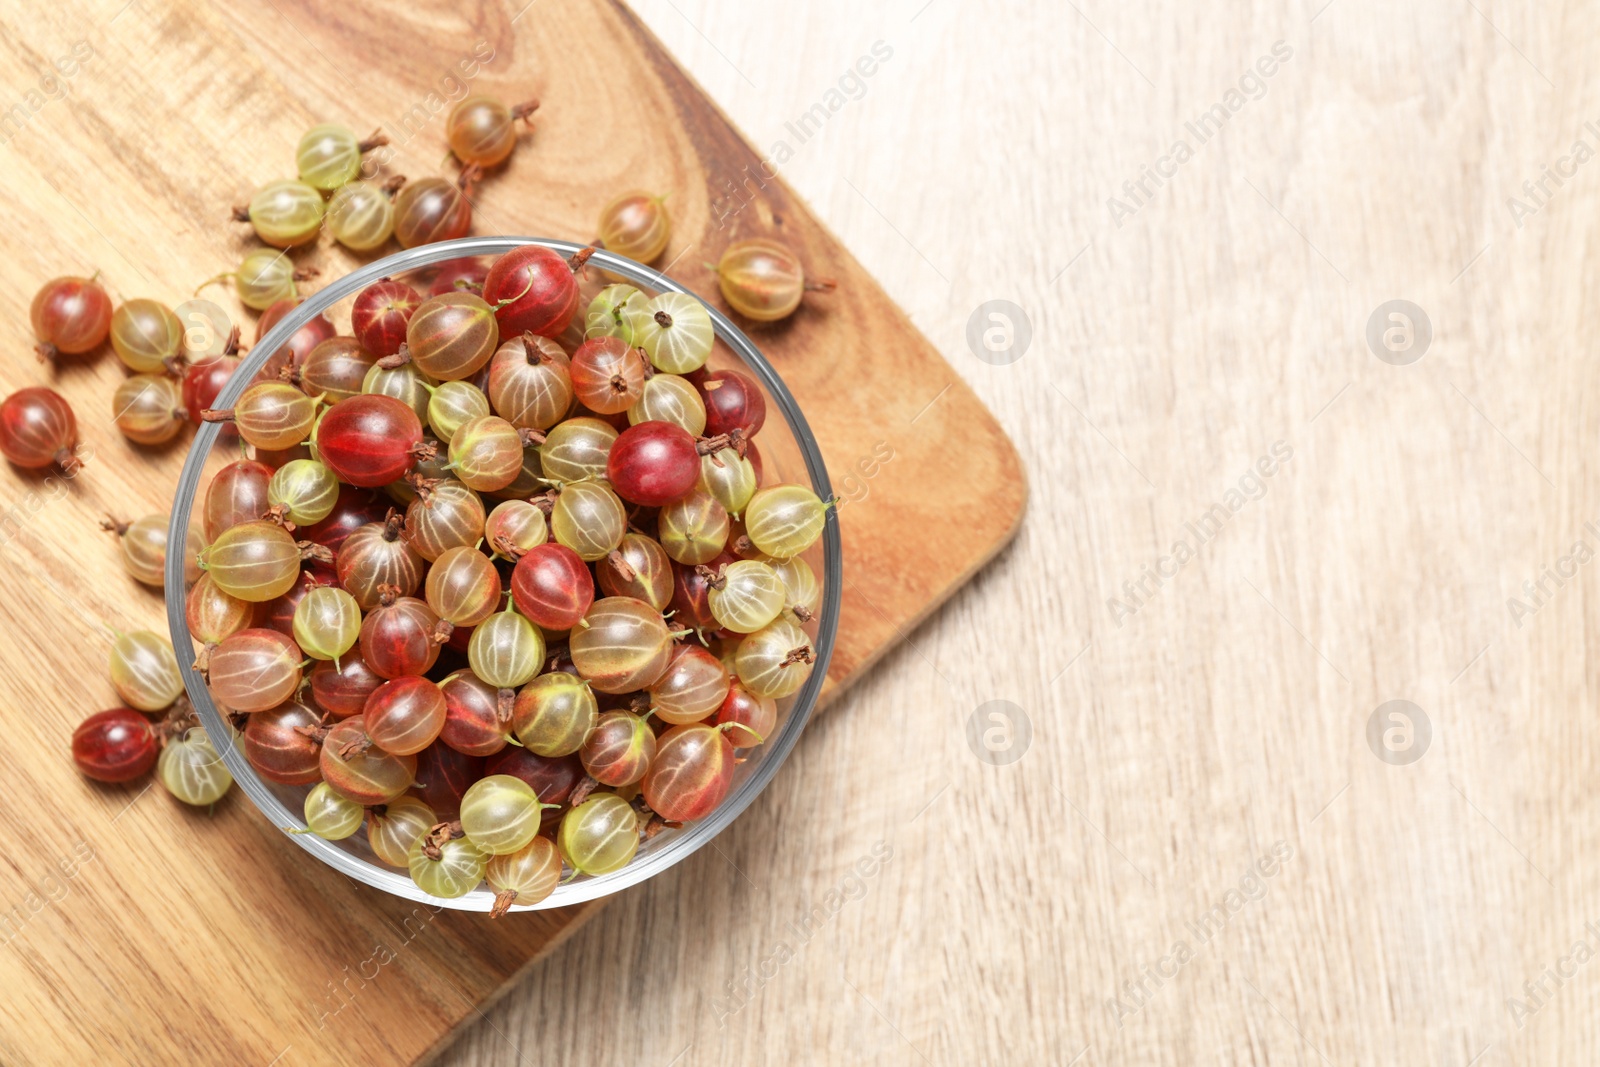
(1171, 754)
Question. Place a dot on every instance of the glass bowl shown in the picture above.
(789, 453)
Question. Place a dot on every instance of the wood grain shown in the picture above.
(142, 932)
(1230, 712)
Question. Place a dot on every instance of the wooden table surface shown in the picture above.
(1139, 794)
(1032, 912)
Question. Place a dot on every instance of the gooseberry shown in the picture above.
(380, 315)
(635, 225)
(434, 209)
(653, 464)
(115, 746)
(763, 280)
(691, 772)
(600, 835)
(369, 440)
(452, 336)
(37, 428)
(404, 716)
(70, 316)
(533, 289)
(146, 335)
(623, 645)
(482, 130)
(607, 375)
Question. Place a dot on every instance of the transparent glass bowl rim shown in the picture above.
(681, 844)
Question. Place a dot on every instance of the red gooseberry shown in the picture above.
(376, 556)
(533, 289)
(695, 685)
(380, 314)
(691, 772)
(238, 493)
(316, 330)
(353, 509)
(472, 724)
(454, 275)
(370, 440)
(638, 568)
(115, 746)
(452, 337)
(552, 777)
(619, 750)
(733, 402)
(691, 587)
(255, 670)
(336, 369)
(753, 717)
(360, 771)
(443, 776)
(552, 586)
(434, 209)
(404, 716)
(38, 428)
(70, 316)
(397, 637)
(282, 744)
(653, 463)
(341, 687)
(202, 382)
(607, 375)
(753, 454)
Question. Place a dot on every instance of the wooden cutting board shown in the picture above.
(135, 929)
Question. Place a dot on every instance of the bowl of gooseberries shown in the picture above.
(517, 578)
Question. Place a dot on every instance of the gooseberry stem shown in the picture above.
(423, 486)
(802, 654)
(734, 439)
(620, 564)
(730, 726)
(502, 903)
(581, 791)
(214, 279)
(400, 358)
(530, 349)
(393, 524)
(438, 835)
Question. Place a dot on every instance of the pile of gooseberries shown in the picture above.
(499, 575)
(514, 598)
(154, 729)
